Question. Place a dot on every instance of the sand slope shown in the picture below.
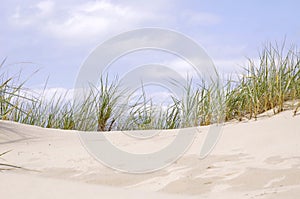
(253, 159)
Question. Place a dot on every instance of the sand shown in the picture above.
(252, 159)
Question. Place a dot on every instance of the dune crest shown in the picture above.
(253, 159)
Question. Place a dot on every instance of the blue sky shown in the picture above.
(56, 36)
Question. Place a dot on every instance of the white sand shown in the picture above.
(253, 159)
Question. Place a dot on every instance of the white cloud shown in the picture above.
(33, 14)
(225, 67)
(93, 19)
(45, 7)
(50, 94)
(18, 18)
(230, 65)
(181, 66)
(86, 21)
(201, 18)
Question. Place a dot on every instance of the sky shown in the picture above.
(55, 37)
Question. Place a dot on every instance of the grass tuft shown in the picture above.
(266, 84)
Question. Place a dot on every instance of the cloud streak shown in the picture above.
(80, 22)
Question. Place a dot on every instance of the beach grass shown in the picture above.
(266, 85)
(263, 85)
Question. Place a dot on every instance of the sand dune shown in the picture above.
(252, 159)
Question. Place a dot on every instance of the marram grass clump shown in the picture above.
(266, 84)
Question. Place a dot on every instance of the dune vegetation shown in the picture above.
(266, 84)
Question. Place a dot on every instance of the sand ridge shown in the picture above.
(252, 159)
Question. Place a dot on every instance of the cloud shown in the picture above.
(84, 21)
(92, 19)
(33, 14)
(201, 18)
(181, 66)
(50, 94)
(88, 22)
(45, 7)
